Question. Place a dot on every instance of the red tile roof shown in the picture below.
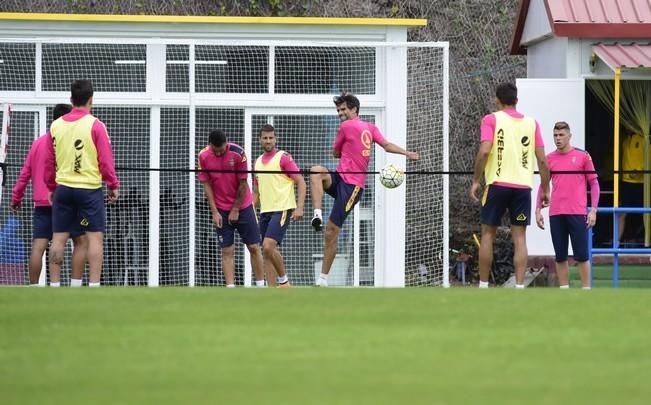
(624, 55)
(590, 19)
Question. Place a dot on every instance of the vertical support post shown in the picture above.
(191, 166)
(356, 246)
(248, 147)
(616, 248)
(446, 167)
(156, 62)
(40, 128)
(391, 264)
(618, 74)
(153, 274)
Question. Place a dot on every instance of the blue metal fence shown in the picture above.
(616, 250)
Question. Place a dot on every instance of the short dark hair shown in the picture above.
(267, 128)
(348, 98)
(81, 91)
(507, 93)
(59, 110)
(217, 137)
(562, 125)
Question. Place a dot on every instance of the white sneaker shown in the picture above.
(321, 282)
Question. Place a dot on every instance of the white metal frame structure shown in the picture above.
(387, 104)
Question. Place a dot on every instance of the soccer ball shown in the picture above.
(391, 176)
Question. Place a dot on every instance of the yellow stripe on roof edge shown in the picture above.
(407, 22)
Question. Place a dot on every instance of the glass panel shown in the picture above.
(325, 70)
(17, 67)
(176, 71)
(232, 69)
(118, 68)
(219, 69)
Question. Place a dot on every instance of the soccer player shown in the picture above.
(79, 158)
(33, 170)
(274, 194)
(567, 208)
(352, 146)
(509, 141)
(231, 202)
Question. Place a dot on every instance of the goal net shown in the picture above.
(159, 100)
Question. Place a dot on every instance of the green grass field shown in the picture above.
(630, 276)
(324, 346)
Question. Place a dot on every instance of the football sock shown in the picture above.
(230, 285)
(483, 284)
(564, 287)
(586, 288)
(317, 213)
(519, 286)
(75, 282)
(259, 283)
(94, 285)
(57, 284)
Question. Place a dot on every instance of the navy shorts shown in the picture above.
(346, 197)
(497, 199)
(575, 226)
(78, 206)
(42, 224)
(246, 225)
(274, 224)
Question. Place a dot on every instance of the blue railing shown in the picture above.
(615, 250)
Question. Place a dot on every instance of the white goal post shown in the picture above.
(159, 98)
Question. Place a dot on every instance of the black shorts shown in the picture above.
(574, 226)
(346, 197)
(497, 199)
(42, 224)
(78, 205)
(273, 225)
(246, 226)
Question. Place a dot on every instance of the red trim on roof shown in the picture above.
(602, 30)
(624, 55)
(590, 19)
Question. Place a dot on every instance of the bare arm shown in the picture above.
(481, 160)
(300, 201)
(480, 164)
(216, 216)
(595, 190)
(256, 195)
(24, 177)
(234, 215)
(545, 175)
(241, 192)
(393, 148)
